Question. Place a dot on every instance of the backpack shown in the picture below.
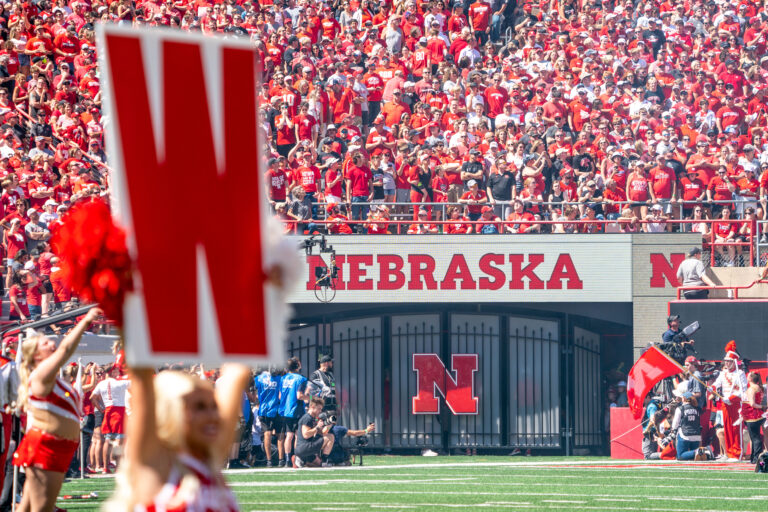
(762, 463)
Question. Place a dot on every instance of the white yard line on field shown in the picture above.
(302, 482)
(646, 509)
(490, 504)
(488, 493)
(559, 464)
(458, 481)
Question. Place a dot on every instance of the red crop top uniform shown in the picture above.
(207, 492)
(43, 450)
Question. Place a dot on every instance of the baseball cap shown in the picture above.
(486, 209)
(471, 183)
(691, 359)
(31, 211)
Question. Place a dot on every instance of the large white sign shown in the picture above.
(476, 268)
(184, 124)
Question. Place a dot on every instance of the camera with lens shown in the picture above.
(328, 418)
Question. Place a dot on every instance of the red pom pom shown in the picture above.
(731, 347)
(94, 258)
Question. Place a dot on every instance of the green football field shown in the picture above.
(491, 483)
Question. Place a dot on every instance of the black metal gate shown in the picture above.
(527, 373)
(587, 396)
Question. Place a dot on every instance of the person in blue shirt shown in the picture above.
(268, 389)
(293, 394)
(338, 455)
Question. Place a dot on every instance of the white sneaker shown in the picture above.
(327, 465)
(428, 453)
(732, 459)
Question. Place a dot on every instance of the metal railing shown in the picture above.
(677, 207)
(621, 225)
(761, 243)
(733, 291)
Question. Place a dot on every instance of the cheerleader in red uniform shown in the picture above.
(53, 416)
(752, 410)
(179, 434)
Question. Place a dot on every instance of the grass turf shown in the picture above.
(491, 483)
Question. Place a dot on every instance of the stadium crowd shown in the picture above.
(491, 116)
(515, 111)
(494, 116)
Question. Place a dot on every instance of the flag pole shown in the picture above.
(682, 370)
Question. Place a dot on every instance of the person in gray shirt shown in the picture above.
(692, 273)
(36, 230)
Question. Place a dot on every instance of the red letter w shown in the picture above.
(192, 205)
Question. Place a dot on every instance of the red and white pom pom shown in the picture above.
(94, 258)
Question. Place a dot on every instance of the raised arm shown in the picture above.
(229, 396)
(142, 423)
(44, 375)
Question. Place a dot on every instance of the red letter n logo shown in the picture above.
(432, 378)
(186, 149)
(662, 271)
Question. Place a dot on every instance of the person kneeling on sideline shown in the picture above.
(314, 440)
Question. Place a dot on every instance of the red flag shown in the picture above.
(653, 366)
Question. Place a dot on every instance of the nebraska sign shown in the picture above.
(184, 117)
(432, 378)
(478, 268)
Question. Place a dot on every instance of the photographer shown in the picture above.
(687, 423)
(652, 436)
(338, 455)
(675, 342)
(323, 379)
(313, 440)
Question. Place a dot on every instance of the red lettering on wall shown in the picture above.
(390, 265)
(663, 271)
(564, 269)
(458, 269)
(497, 275)
(357, 273)
(432, 378)
(422, 266)
(518, 271)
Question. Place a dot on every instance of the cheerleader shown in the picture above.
(179, 433)
(53, 416)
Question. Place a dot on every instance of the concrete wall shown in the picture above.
(738, 276)
(652, 288)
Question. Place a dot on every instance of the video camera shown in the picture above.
(325, 276)
(686, 332)
(328, 418)
(309, 243)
